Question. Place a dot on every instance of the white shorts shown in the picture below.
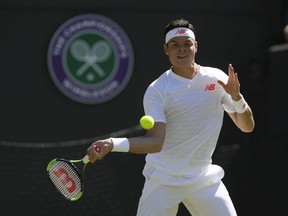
(163, 200)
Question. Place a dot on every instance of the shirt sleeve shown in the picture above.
(227, 103)
(154, 104)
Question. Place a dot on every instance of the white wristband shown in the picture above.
(240, 105)
(120, 144)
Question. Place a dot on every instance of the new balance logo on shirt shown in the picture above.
(210, 87)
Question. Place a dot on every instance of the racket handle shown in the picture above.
(86, 159)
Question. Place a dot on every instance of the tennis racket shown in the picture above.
(66, 176)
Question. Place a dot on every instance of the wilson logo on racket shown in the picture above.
(65, 179)
(90, 59)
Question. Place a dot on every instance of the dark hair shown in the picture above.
(178, 23)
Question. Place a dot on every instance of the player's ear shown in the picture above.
(196, 46)
(165, 47)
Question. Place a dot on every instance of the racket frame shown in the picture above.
(84, 160)
(73, 166)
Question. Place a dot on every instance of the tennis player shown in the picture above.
(187, 102)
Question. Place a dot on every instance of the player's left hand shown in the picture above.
(232, 86)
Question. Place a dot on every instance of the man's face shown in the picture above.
(181, 51)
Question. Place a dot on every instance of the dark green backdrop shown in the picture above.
(38, 122)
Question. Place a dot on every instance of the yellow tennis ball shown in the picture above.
(147, 122)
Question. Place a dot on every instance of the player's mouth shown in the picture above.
(181, 57)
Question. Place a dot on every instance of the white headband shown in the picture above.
(176, 32)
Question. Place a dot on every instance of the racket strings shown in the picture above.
(66, 179)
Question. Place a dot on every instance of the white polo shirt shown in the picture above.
(193, 111)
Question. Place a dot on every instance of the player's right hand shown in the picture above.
(99, 149)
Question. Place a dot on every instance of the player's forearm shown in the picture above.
(245, 121)
(144, 145)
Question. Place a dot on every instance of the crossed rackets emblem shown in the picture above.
(90, 55)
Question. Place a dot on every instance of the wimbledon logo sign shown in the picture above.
(90, 59)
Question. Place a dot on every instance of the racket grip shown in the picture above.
(86, 159)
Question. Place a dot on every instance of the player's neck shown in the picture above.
(186, 72)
